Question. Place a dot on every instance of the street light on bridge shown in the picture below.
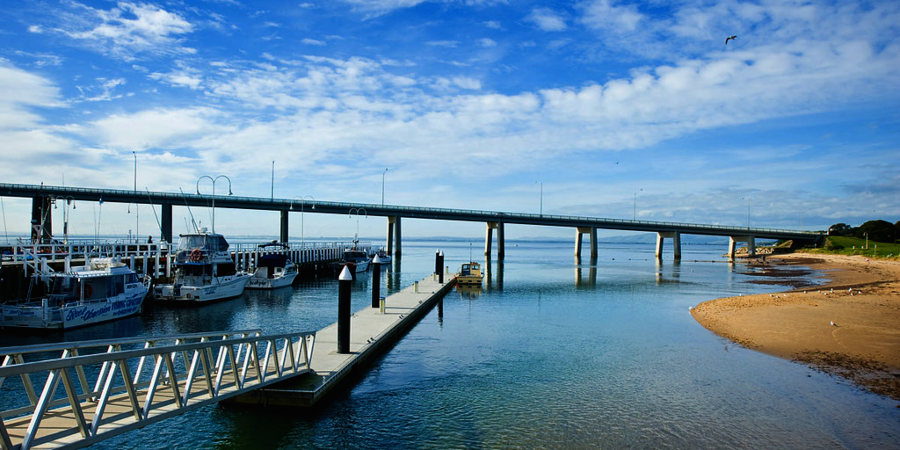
(302, 202)
(213, 194)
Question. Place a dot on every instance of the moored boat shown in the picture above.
(469, 274)
(105, 289)
(204, 271)
(273, 270)
(356, 259)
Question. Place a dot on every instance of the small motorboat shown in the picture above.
(469, 274)
(273, 270)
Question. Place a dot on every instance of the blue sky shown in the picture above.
(615, 109)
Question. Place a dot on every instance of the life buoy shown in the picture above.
(88, 291)
(196, 254)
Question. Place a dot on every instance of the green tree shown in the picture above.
(840, 229)
(877, 230)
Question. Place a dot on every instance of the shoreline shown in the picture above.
(849, 326)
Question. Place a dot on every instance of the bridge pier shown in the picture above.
(284, 226)
(501, 240)
(166, 222)
(41, 220)
(676, 244)
(733, 240)
(393, 236)
(592, 233)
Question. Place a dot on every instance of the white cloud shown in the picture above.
(128, 29)
(309, 41)
(159, 128)
(35, 29)
(603, 14)
(442, 43)
(182, 77)
(102, 91)
(19, 92)
(547, 19)
(487, 43)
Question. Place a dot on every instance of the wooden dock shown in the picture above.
(371, 333)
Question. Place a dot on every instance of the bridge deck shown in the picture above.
(370, 333)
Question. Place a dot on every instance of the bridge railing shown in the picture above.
(111, 386)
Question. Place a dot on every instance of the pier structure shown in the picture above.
(501, 240)
(43, 196)
(372, 330)
(98, 389)
(732, 244)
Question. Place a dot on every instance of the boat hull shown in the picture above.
(71, 315)
(219, 289)
(271, 283)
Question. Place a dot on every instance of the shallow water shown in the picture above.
(548, 354)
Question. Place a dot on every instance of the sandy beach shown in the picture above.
(849, 326)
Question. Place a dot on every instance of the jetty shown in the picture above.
(372, 331)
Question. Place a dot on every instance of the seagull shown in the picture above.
(730, 38)
(833, 324)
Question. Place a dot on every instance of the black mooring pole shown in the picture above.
(440, 268)
(437, 261)
(343, 331)
(376, 281)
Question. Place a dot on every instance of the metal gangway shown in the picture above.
(116, 385)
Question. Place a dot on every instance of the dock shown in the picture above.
(371, 333)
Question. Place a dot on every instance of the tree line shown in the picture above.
(876, 230)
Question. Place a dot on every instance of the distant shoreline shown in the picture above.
(849, 326)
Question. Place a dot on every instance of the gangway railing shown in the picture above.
(113, 386)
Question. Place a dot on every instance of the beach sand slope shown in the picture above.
(848, 327)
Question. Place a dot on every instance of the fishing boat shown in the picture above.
(105, 289)
(273, 270)
(356, 258)
(469, 274)
(204, 271)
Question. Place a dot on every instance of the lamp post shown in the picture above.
(137, 211)
(357, 211)
(213, 194)
(542, 197)
(634, 205)
(272, 197)
(302, 201)
(382, 186)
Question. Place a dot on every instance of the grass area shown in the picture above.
(843, 245)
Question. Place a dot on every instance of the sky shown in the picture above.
(602, 108)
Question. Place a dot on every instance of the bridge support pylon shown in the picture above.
(166, 222)
(676, 244)
(592, 233)
(501, 240)
(393, 236)
(284, 226)
(733, 240)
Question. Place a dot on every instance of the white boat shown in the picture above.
(356, 259)
(274, 270)
(204, 271)
(384, 257)
(103, 290)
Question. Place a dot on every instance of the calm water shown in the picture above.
(547, 355)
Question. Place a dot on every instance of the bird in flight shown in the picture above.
(730, 38)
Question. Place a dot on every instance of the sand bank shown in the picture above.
(849, 327)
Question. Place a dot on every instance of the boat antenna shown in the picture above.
(470, 251)
(3, 208)
(189, 209)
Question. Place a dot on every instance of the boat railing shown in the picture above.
(112, 384)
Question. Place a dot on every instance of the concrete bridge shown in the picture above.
(43, 196)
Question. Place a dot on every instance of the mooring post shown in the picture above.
(437, 261)
(440, 265)
(343, 328)
(376, 281)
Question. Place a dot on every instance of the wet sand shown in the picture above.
(849, 326)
